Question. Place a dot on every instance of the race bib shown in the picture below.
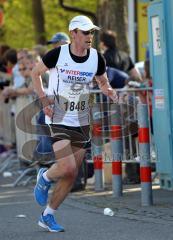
(74, 98)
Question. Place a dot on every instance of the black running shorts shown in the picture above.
(79, 136)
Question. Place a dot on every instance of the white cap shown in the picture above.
(83, 23)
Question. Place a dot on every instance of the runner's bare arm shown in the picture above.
(106, 88)
(37, 71)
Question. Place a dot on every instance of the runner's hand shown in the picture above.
(113, 95)
(47, 106)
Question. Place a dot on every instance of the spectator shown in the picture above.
(24, 67)
(116, 58)
(40, 50)
(3, 49)
(59, 39)
(11, 58)
(121, 60)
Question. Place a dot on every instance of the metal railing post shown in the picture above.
(144, 152)
(117, 149)
(97, 146)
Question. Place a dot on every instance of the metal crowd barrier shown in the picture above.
(7, 131)
(116, 138)
(7, 135)
(121, 133)
(10, 133)
(22, 137)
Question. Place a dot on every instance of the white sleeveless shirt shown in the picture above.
(69, 83)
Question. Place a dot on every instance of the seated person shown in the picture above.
(117, 78)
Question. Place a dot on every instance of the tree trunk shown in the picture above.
(112, 15)
(38, 21)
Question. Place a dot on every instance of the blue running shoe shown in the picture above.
(41, 188)
(48, 222)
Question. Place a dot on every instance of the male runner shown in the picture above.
(72, 68)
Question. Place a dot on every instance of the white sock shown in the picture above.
(48, 210)
(45, 177)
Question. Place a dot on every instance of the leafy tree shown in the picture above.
(112, 15)
(27, 22)
(20, 29)
(38, 20)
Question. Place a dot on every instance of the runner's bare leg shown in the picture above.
(65, 170)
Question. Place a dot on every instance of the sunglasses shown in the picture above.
(88, 32)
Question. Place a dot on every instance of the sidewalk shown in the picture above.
(82, 214)
(129, 205)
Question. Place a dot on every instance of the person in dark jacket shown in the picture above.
(118, 64)
(114, 57)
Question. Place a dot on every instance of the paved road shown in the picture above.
(82, 219)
